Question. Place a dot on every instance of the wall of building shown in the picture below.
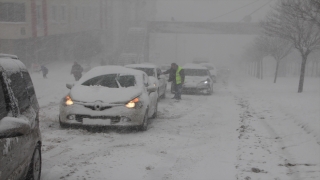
(53, 30)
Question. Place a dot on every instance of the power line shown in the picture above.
(257, 9)
(233, 10)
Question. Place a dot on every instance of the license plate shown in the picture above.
(88, 121)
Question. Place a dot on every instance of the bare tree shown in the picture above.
(286, 23)
(278, 48)
(255, 54)
(308, 9)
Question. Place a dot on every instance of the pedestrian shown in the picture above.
(44, 71)
(177, 76)
(76, 70)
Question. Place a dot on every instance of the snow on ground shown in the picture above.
(248, 129)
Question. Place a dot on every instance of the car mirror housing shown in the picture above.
(152, 88)
(13, 127)
(69, 85)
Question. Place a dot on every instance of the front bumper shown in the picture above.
(118, 116)
(196, 89)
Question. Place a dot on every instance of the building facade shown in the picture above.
(44, 31)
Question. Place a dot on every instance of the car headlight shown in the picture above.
(132, 103)
(68, 100)
(205, 82)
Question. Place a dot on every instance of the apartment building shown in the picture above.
(42, 31)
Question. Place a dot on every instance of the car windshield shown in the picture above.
(209, 67)
(195, 72)
(165, 67)
(111, 81)
(148, 71)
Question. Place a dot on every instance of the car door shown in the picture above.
(153, 96)
(210, 78)
(162, 85)
(12, 160)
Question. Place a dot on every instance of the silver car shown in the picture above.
(197, 79)
(110, 96)
(155, 75)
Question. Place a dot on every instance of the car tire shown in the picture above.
(63, 125)
(155, 114)
(144, 125)
(34, 171)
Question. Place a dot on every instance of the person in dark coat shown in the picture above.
(76, 70)
(44, 71)
(176, 75)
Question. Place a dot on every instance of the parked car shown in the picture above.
(212, 69)
(197, 79)
(155, 76)
(20, 138)
(10, 56)
(110, 96)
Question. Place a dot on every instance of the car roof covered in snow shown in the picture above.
(10, 56)
(12, 65)
(193, 66)
(102, 70)
(144, 65)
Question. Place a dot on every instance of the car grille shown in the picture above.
(79, 118)
(101, 109)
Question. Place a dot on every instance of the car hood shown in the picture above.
(106, 95)
(194, 80)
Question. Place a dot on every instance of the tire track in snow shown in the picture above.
(257, 138)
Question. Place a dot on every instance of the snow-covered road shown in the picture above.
(245, 130)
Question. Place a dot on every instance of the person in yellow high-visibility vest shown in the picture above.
(178, 80)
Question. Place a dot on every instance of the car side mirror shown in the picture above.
(151, 88)
(14, 127)
(69, 85)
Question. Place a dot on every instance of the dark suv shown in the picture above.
(20, 138)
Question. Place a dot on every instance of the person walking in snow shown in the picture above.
(44, 71)
(76, 70)
(177, 76)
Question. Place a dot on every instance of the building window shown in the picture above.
(12, 12)
(39, 15)
(54, 13)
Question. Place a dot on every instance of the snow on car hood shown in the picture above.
(193, 81)
(104, 94)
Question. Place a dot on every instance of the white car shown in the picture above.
(197, 79)
(212, 69)
(155, 76)
(110, 96)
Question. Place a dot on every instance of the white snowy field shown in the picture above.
(248, 129)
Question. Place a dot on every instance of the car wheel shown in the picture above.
(144, 125)
(34, 172)
(63, 125)
(155, 111)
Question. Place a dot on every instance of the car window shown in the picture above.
(159, 72)
(19, 89)
(148, 71)
(28, 81)
(3, 104)
(145, 80)
(196, 72)
(111, 81)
